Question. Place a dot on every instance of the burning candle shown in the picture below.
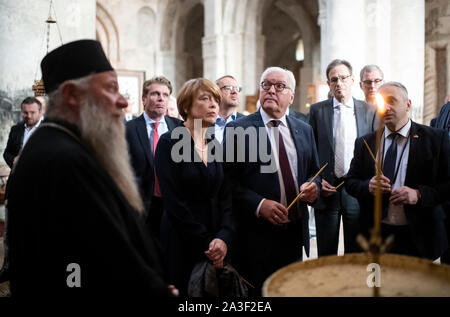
(377, 206)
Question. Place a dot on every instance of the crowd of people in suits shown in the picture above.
(111, 197)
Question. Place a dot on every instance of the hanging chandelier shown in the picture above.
(38, 87)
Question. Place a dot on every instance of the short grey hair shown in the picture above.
(288, 74)
(396, 84)
(369, 69)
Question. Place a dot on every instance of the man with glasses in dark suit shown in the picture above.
(336, 123)
(268, 236)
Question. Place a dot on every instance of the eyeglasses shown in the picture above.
(265, 85)
(370, 82)
(343, 79)
(231, 88)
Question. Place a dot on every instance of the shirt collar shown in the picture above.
(231, 117)
(349, 104)
(36, 125)
(149, 120)
(403, 131)
(266, 119)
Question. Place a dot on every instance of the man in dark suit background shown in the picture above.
(336, 123)
(443, 122)
(415, 181)
(269, 237)
(31, 109)
(142, 136)
(230, 92)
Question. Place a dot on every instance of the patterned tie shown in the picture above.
(155, 126)
(286, 172)
(391, 158)
(339, 144)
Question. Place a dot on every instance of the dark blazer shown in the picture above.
(321, 120)
(443, 120)
(141, 155)
(428, 171)
(197, 207)
(262, 248)
(239, 115)
(14, 144)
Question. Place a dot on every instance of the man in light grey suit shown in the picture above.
(336, 123)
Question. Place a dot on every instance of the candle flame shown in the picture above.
(380, 104)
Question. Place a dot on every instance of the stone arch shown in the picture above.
(168, 26)
(108, 34)
(146, 20)
(188, 41)
(283, 24)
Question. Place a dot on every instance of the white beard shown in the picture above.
(105, 138)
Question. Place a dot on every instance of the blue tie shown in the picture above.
(390, 159)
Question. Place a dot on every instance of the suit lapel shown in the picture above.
(328, 117)
(170, 123)
(141, 130)
(360, 115)
(259, 123)
(415, 152)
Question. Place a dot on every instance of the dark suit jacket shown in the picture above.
(321, 120)
(141, 155)
(239, 115)
(443, 120)
(262, 248)
(428, 171)
(197, 207)
(14, 144)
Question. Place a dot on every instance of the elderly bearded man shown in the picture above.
(74, 209)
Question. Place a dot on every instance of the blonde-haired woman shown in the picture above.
(197, 221)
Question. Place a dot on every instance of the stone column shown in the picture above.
(23, 45)
(213, 41)
(389, 33)
(342, 32)
(165, 65)
(408, 50)
(254, 56)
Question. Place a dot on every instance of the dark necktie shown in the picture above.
(390, 159)
(155, 126)
(288, 179)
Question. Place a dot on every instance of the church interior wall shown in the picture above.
(211, 38)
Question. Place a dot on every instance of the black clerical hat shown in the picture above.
(71, 61)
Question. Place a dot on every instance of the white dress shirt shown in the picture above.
(396, 213)
(348, 112)
(29, 131)
(162, 128)
(291, 152)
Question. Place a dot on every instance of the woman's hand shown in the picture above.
(217, 252)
